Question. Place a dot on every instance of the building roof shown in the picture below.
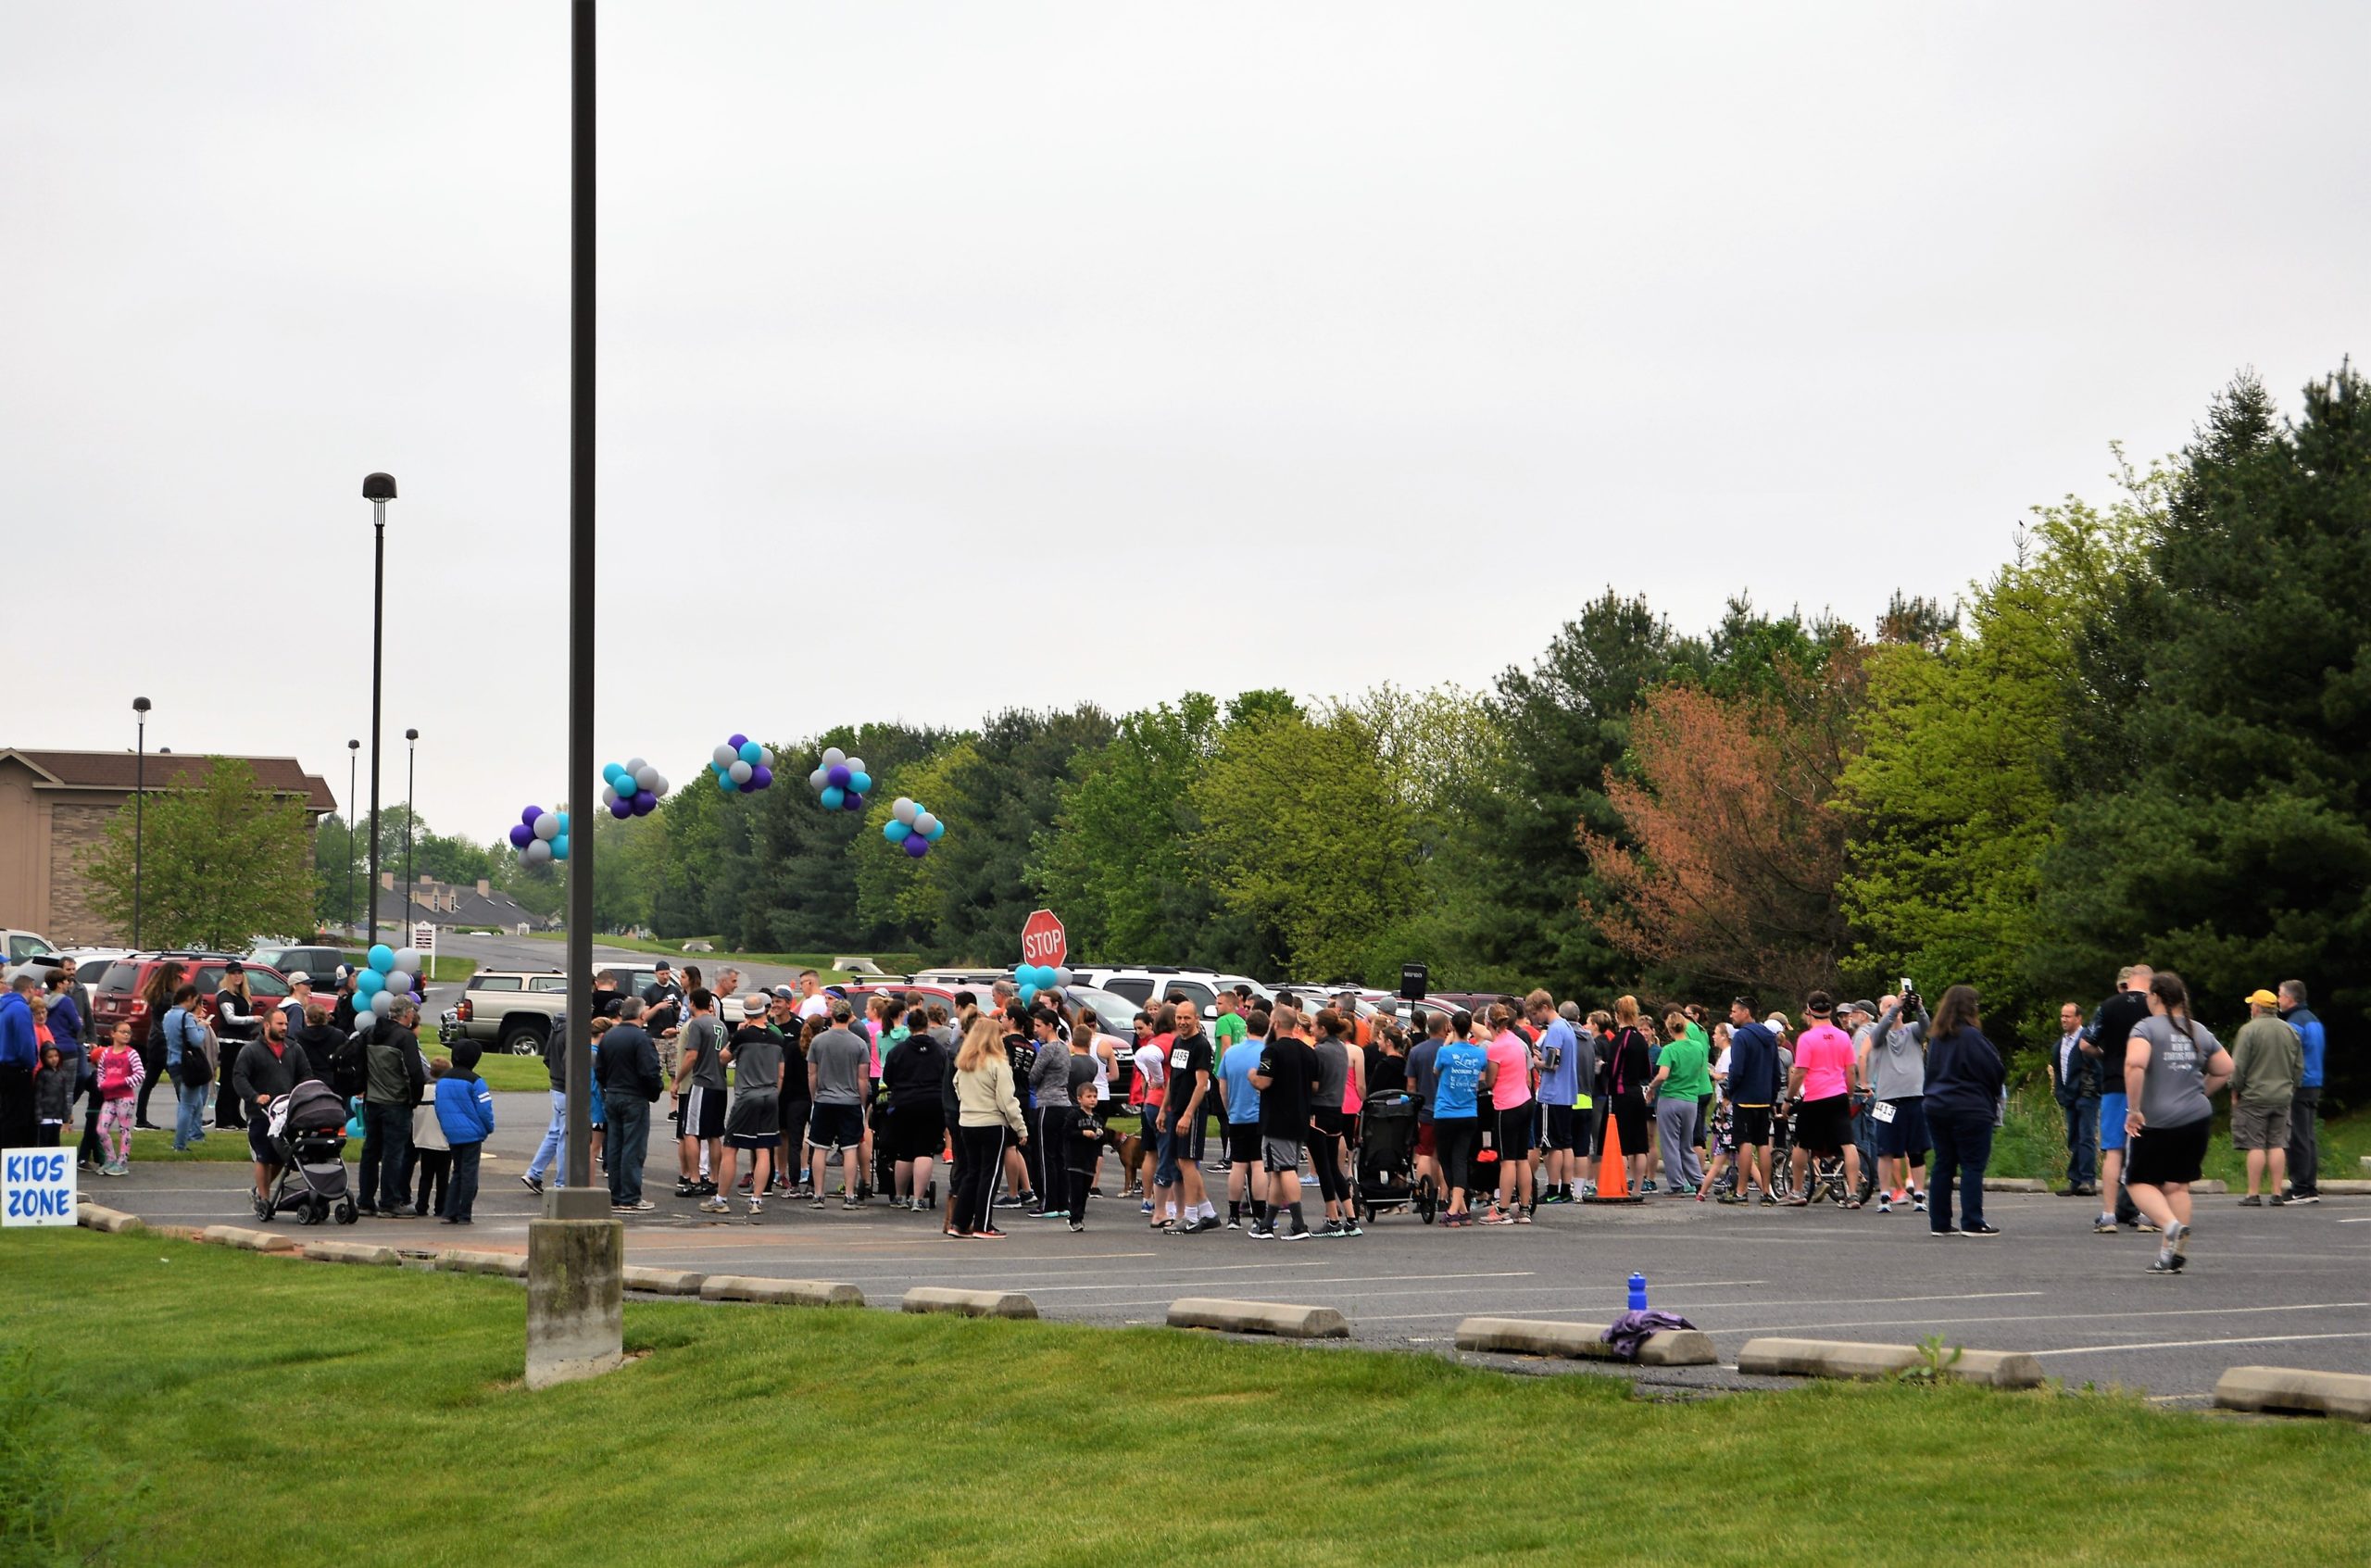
(120, 770)
(470, 907)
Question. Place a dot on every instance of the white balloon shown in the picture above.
(609, 794)
(904, 810)
(923, 822)
(739, 772)
(818, 778)
(765, 757)
(536, 853)
(855, 765)
(659, 786)
(647, 776)
(383, 1002)
(407, 959)
(547, 826)
(834, 757)
(635, 765)
(723, 756)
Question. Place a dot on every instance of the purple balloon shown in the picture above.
(737, 742)
(622, 808)
(761, 776)
(528, 816)
(917, 846)
(852, 802)
(838, 775)
(643, 804)
(520, 835)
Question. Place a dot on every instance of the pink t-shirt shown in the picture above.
(1513, 1087)
(1825, 1053)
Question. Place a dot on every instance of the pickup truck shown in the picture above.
(514, 1009)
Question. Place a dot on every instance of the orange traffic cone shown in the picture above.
(1612, 1171)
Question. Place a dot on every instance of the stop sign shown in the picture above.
(1043, 940)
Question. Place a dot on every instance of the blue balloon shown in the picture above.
(368, 982)
(560, 847)
(1028, 995)
(938, 831)
(610, 774)
(895, 831)
(383, 958)
(860, 782)
(563, 821)
(724, 781)
(833, 797)
(750, 751)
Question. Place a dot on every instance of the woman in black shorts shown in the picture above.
(2167, 1122)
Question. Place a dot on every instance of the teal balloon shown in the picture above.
(368, 982)
(833, 796)
(611, 772)
(751, 751)
(896, 833)
(383, 958)
(859, 784)
(1028, 995)
(724, 781)
(560, 847)
(938, 831)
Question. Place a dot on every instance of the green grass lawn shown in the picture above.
(365, 1416)
(2032, 1142)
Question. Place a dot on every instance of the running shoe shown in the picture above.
(1495, 1218)
(2145, 1228)
(1145, 1208)
(1076, 1227)
(2176, 1241)
(1731, 1197)
(756, 1204)
(1049, 1214)
(1299, 1233)
(1949, 1230)
(1351, 1228)
(2304, 1198)
(2103, 1225)
(534, 1184)
(1884, 1203)
(2252, 1201)
(990, 1234)
(1234, 1222)
(1523, 1217)
(1980, 1228)
(714, 1206)
(1262, 1233)
(1769, 1200)
(1918, 1202)
(815, 1203)
(2278, 1202)
(1328, 1231)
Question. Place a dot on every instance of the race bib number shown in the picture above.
(1179, 1058)
(1881, 1112)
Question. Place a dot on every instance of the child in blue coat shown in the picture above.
(465, 1112)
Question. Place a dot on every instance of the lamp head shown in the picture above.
(411, 735)
(353, 745)
(378, 487)
(140, 705)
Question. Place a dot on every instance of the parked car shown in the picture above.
(27, 949)
(319, 964)
(116, 999)
(91, 964)
(1152, 982)
(514, 1009)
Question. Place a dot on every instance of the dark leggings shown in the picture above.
(1324, 1158)
(982, 1162)
(92, 1152)
(152, 1062)
(1081, 1181)
(1454, 1142)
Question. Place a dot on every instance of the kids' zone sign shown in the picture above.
(36, 1186)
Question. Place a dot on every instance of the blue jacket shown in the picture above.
(65, 1018)
(17, 1047)
(1964, 1074)
(2309, 1032)
(464, 1109)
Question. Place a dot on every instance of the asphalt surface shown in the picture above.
(2282, 1287)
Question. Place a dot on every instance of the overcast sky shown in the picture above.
(958, 357)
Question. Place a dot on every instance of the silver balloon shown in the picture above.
(658, 786)
(647, 776)
(723, 756)
(547, 826)
(635, 765)
(855, 765)
(1061, 976)
(407, 959)
(904, 810)
(383, 1002)
(537, 851)
(608, 795)
(832, 758)
(818, 778)
(923, 822)
(765, 757)
(739, 772)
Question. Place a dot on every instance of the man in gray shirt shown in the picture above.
(699, 1087)
(1893, 1064)
(838, 1065)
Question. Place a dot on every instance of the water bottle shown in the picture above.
(1637, 1293)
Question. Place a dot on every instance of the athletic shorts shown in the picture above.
(755, 1121)
(2259, 1126)
(1749, 1126)
(1280, 1154)
(1904, 1137)
(1425, 1142)
(1201, 1136)
(916, 1132)
(2168, 1154)
(1514, 1131)
(2113, 1109)
(836, 1126)
(1243, 1142)
(259, 1137)
(1559, 1126)
(1629, 1123)
(703, 1113)
(1823, 1126)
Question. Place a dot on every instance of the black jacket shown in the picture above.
(322, 1044)
(628, 1064)
(1963, 1076)
(915, 1070)
(258, 1073)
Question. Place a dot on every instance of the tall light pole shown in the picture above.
(378, 489)
(139, 804)
(411, 758)
(353, 758)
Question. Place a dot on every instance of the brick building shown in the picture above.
(54, 807)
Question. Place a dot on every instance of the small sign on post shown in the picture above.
(1413, 977)
(36, 1187)
(423, 937)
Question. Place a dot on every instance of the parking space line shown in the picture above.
(2192, 1344)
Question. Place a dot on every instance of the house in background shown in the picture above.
(449, 905)
(54, 807)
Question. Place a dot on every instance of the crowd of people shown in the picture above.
(1001, 1107)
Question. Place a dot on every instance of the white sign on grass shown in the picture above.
(36, 1186)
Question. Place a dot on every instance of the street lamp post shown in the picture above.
(352, 760)
(139, 804)
(378, 489)
(411, 759)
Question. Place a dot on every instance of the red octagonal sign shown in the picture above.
(1043, 940)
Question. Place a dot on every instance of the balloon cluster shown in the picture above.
(634, 789)
(741, 764)
(841, 781)
(913, 827)
(1034, 977)
(390, 973)
(540, 835)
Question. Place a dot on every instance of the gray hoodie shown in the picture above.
(1898, 1057)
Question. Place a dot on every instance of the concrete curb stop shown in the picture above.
(513, 1264)
(2347, 1188)
(780, 1292)
(1259, 1317)
(112, 1222)
(2277, 1390)
(663, 1282)
(351, 1252)
(252, 1241)
(2016, 1183)
(1836, 1358)
(1528, 1337)
(969, 1303)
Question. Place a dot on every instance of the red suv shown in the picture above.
(117, 998)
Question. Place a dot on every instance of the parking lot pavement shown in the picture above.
(2286, 1288)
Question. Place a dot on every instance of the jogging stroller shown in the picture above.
(1387, 1172)
(307, 1131)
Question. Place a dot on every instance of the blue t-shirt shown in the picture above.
(1420, 1075)
(1234, 1079)
(1458, 1078)
(1561, 1083)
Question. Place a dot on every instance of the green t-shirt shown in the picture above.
(1691, 1077)
(1227, 1028)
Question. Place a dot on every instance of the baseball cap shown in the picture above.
(234, 967)
(1865, 1010)
(2263, 997)
(298, 977)
(784, 994)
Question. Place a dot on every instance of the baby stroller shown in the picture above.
(308, 1134)
(1387, 1159)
